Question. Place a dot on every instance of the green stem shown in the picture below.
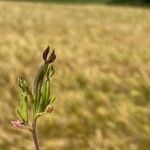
(34, 135)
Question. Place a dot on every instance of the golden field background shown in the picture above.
(102, 80)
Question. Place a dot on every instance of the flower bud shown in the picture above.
(51, 58)
(45, 53)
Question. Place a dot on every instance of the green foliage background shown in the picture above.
(102, 80)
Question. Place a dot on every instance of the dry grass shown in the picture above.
(102, 79)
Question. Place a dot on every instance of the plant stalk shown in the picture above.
(34, 135)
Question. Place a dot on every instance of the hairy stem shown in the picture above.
(34, 135)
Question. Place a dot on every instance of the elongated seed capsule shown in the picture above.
(38, 84)
(38, 78)
(47, 91)
(45, 96)
(40, 106)
(44, 93)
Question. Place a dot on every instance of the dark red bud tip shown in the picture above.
(45, 53)
(51, 58)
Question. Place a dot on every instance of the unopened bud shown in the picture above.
(45, 53)
(51, 58)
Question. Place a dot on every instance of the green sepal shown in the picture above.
(50, 71)
(52, 99)
(23, 107)
(23, 83)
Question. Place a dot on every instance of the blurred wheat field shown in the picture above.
(102, 80)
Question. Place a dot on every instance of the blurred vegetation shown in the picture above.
(127, 2)
(106, 1)
(102, 79)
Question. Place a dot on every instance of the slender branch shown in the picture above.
(34, 135)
